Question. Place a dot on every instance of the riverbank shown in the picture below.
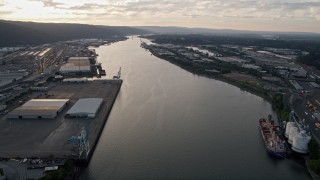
(243, 85)
(277, 101)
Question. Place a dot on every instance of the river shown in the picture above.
(170, 123)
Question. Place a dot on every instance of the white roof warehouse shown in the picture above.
(87, 107)
(76, 65)
(39, 109)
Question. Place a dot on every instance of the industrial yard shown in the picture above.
(53, 107)
(49, 137)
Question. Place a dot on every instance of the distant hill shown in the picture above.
(232, 32)
(14, 33)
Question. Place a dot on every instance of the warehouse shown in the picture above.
(76, 65)
(87, 107)
(315, 85)
(75, 80)
(39, 109)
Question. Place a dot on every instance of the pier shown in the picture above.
(46, 138)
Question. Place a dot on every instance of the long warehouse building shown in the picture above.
(76, 65)
(39, 109)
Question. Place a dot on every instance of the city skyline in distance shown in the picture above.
(254, 15)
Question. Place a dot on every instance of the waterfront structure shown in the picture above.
(297, 135)
(272, 138)
(86, 107)
(48, 135)
(39, 109)
(75, 80)
(82, 142)
(300, 142)
(76, 65)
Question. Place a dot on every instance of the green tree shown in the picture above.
(313, 149)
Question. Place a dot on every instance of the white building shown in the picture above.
(76, 65)
(75, 80)
(87, 107)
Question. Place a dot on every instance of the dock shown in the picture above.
(44, 138)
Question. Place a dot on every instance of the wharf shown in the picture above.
(44, 138)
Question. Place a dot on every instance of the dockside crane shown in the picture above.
(82, 142)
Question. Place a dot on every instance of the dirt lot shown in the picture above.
(45, 137)
(241, 77)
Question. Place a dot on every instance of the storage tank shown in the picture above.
(289, 125)
(300, 142)
(293, 132)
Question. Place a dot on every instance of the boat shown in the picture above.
(273, 140)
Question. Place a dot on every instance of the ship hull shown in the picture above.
(273, 152)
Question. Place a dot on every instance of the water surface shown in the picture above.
(169, 123)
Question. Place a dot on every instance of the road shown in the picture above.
(305, 114)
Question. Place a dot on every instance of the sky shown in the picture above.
(261, 15)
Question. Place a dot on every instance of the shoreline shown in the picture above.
(250, 88)
(221, 78)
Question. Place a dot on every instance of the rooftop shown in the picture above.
(76, 64)
(39, 107)
(85, 107)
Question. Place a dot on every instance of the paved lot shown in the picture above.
(17, 169)
(303, 112)
(47, 137)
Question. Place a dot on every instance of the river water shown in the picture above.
(168, 123)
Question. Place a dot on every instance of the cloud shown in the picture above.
(220, 8)
(50, 3)
(242, 9)
(5, 12)
(86, 6)
(171, 12)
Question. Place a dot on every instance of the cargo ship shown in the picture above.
(273, 140)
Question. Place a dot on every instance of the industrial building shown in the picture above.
(301, 73)
(272, 79)
(76, 65)
(296, 85)
(9, 77)
(75, 80)
(315, 85)
(39, 109)
(87, 107)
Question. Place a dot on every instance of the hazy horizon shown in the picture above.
(253, 15)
